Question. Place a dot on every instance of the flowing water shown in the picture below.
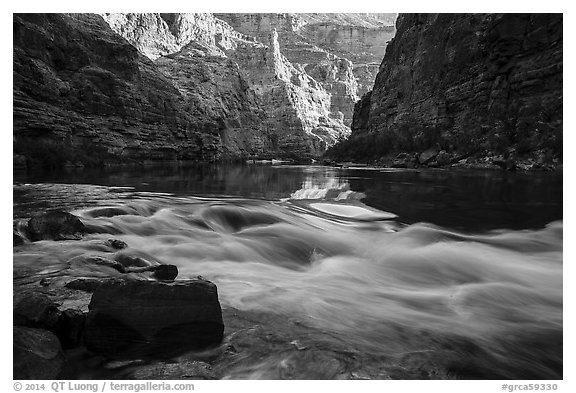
(460, 264)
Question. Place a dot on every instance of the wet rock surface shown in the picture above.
(116, 244)
(164, 272)
(55, 225)
(37, 354)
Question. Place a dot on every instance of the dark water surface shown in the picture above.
(457, 273)
(463, 199)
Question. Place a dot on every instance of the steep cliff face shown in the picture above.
(156, 35)
(190, 86)
(299, 109)
(473, 84)
(340, 51)
(82, 93)
(362, 41)
(302, 117)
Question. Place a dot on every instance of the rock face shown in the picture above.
(39, 311)
(482, 84)
(285, 110)
(91, 88)
(341, 52)
(55, 225)
(37, 354)
(149, 316)
(82, 93)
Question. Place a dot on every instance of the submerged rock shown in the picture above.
(149, 317)
(98, 260)
(37, 354)
(123, 264)
(116, 244)
(128, 260)
(55, 225)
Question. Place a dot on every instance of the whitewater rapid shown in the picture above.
(322, 256)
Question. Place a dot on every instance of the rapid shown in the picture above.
(489, 299)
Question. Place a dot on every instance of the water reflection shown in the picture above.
(468, 200)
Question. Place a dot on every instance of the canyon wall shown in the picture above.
(82, 93)
(470, 84)
(181, 86)
(299, 119)
(342, 52)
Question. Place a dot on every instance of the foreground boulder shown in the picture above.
(55, 225)
(39, 311)
(36, 310)
(37, 354)
(151, 317)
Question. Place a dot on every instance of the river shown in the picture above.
(420, 266)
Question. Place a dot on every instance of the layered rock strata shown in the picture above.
(340, 51)
(185, 86)
(82, 93)
(469, 84)
(299, 115)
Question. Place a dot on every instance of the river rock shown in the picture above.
(428, 155)
(443, 158)
(70, 327)
(97, 260)
(55, 225)
(164, 272)
(116, 244)
(37, 354)
(87, 284)
(36, 310)
(151, 316)
(129, 260)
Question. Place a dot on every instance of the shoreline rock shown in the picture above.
(151, 317)
(55, 225)
(37, 354)
(444, 160)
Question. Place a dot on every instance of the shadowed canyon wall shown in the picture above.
(136, 87)
(485, 85)
(81, 92)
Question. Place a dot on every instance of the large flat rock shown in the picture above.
(150, 317)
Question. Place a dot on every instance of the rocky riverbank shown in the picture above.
(434, 158)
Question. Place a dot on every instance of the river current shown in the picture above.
(466, 264)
